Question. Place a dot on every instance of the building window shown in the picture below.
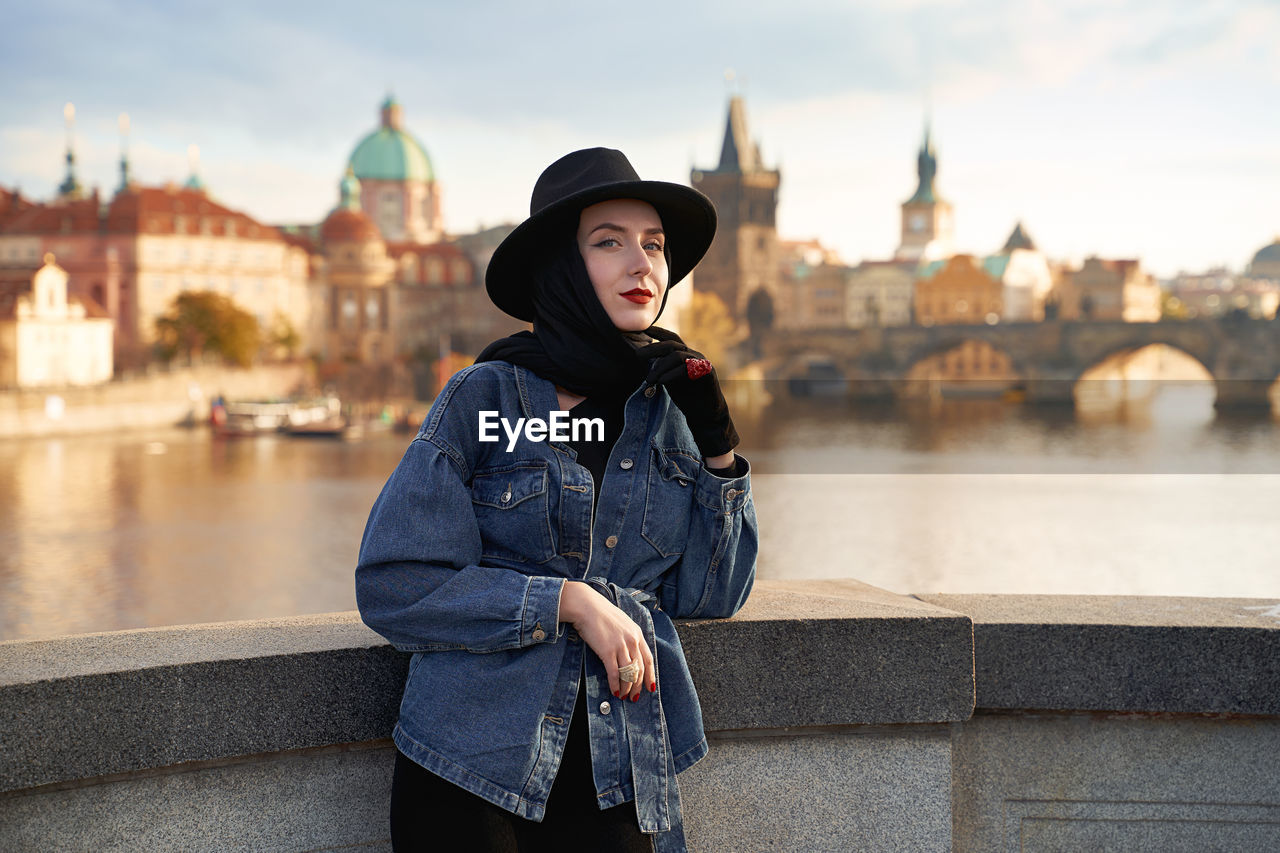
(435, 271)
(390, 212)
(371, 311)
(409, 269)
(349, 311)
(461, 272)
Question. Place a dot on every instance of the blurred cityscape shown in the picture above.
(156, 303)
(381, 301)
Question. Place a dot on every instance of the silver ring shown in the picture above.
(629, 674)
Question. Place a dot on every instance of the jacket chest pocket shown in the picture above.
(669, 500)
(511, 508)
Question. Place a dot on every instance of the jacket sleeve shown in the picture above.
(714, 577)
(419, 581)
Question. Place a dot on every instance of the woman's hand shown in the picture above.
(700, 399)
(611, 634)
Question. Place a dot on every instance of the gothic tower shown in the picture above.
(743, 258)
(927, 227)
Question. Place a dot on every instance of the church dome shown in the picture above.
(1267, 257)
(391, 153)
(349, 226)
(348, 222)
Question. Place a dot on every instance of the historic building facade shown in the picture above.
(50, 339)
(742, 263)
(811, 287)
(958, 290)
(132, 254)
(1109, 290)
(880, 293)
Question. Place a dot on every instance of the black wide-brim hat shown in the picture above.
(576, 181)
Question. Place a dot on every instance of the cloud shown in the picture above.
(1022, 93)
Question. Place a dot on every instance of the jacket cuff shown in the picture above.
(724, 494)
(540, 621)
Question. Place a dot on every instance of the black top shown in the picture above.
(594, 455)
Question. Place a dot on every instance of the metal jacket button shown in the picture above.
(611, 541)
(626, 464)
(605, 708)
(539, 635)
(651, 390)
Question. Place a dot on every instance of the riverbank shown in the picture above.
(163, 398)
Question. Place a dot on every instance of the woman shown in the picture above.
(534, 579)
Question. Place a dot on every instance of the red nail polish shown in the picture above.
(652, 687)
(635, 698)
(617, 695)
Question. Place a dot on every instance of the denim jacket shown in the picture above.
(462, 562)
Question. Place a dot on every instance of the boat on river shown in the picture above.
(255, 417)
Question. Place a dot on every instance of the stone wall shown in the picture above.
(847, 723)
(162, 398)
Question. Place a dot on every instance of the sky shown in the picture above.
(1123, 128)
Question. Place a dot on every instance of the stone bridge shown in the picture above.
(1242, 356)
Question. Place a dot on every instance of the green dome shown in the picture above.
(391, 153)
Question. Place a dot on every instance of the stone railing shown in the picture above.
(847, 722)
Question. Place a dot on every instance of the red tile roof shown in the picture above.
(67, 217)
(347, 225)
(11, 204)
(179, 210)
(91, 306)
(140, 210)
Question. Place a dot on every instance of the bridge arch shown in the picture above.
(813, 373)
(1137, 372)
(961, 365)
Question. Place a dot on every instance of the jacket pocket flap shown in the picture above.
(508, 487)
(677, 465)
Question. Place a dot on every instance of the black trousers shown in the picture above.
(431, 814)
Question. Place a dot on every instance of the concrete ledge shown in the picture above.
(825, 653)
(84, 706)
(95, 704)
(1124, 653)
(839, 716)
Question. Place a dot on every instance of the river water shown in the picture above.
(168, 526)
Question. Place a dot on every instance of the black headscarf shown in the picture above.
(574, 344)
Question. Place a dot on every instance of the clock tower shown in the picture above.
(927, 226)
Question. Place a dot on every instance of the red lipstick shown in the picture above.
(638, 295)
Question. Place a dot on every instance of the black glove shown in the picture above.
(701, 400)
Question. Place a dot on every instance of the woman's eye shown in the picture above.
(653, 246)
(608, 241)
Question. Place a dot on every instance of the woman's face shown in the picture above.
(621, 242)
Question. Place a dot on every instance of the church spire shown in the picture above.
(738, 154)
(194, 182)
(125, 179)
(392, 113)
(1019, 239)
(926, 170)
(70, 188)
(349, 191)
